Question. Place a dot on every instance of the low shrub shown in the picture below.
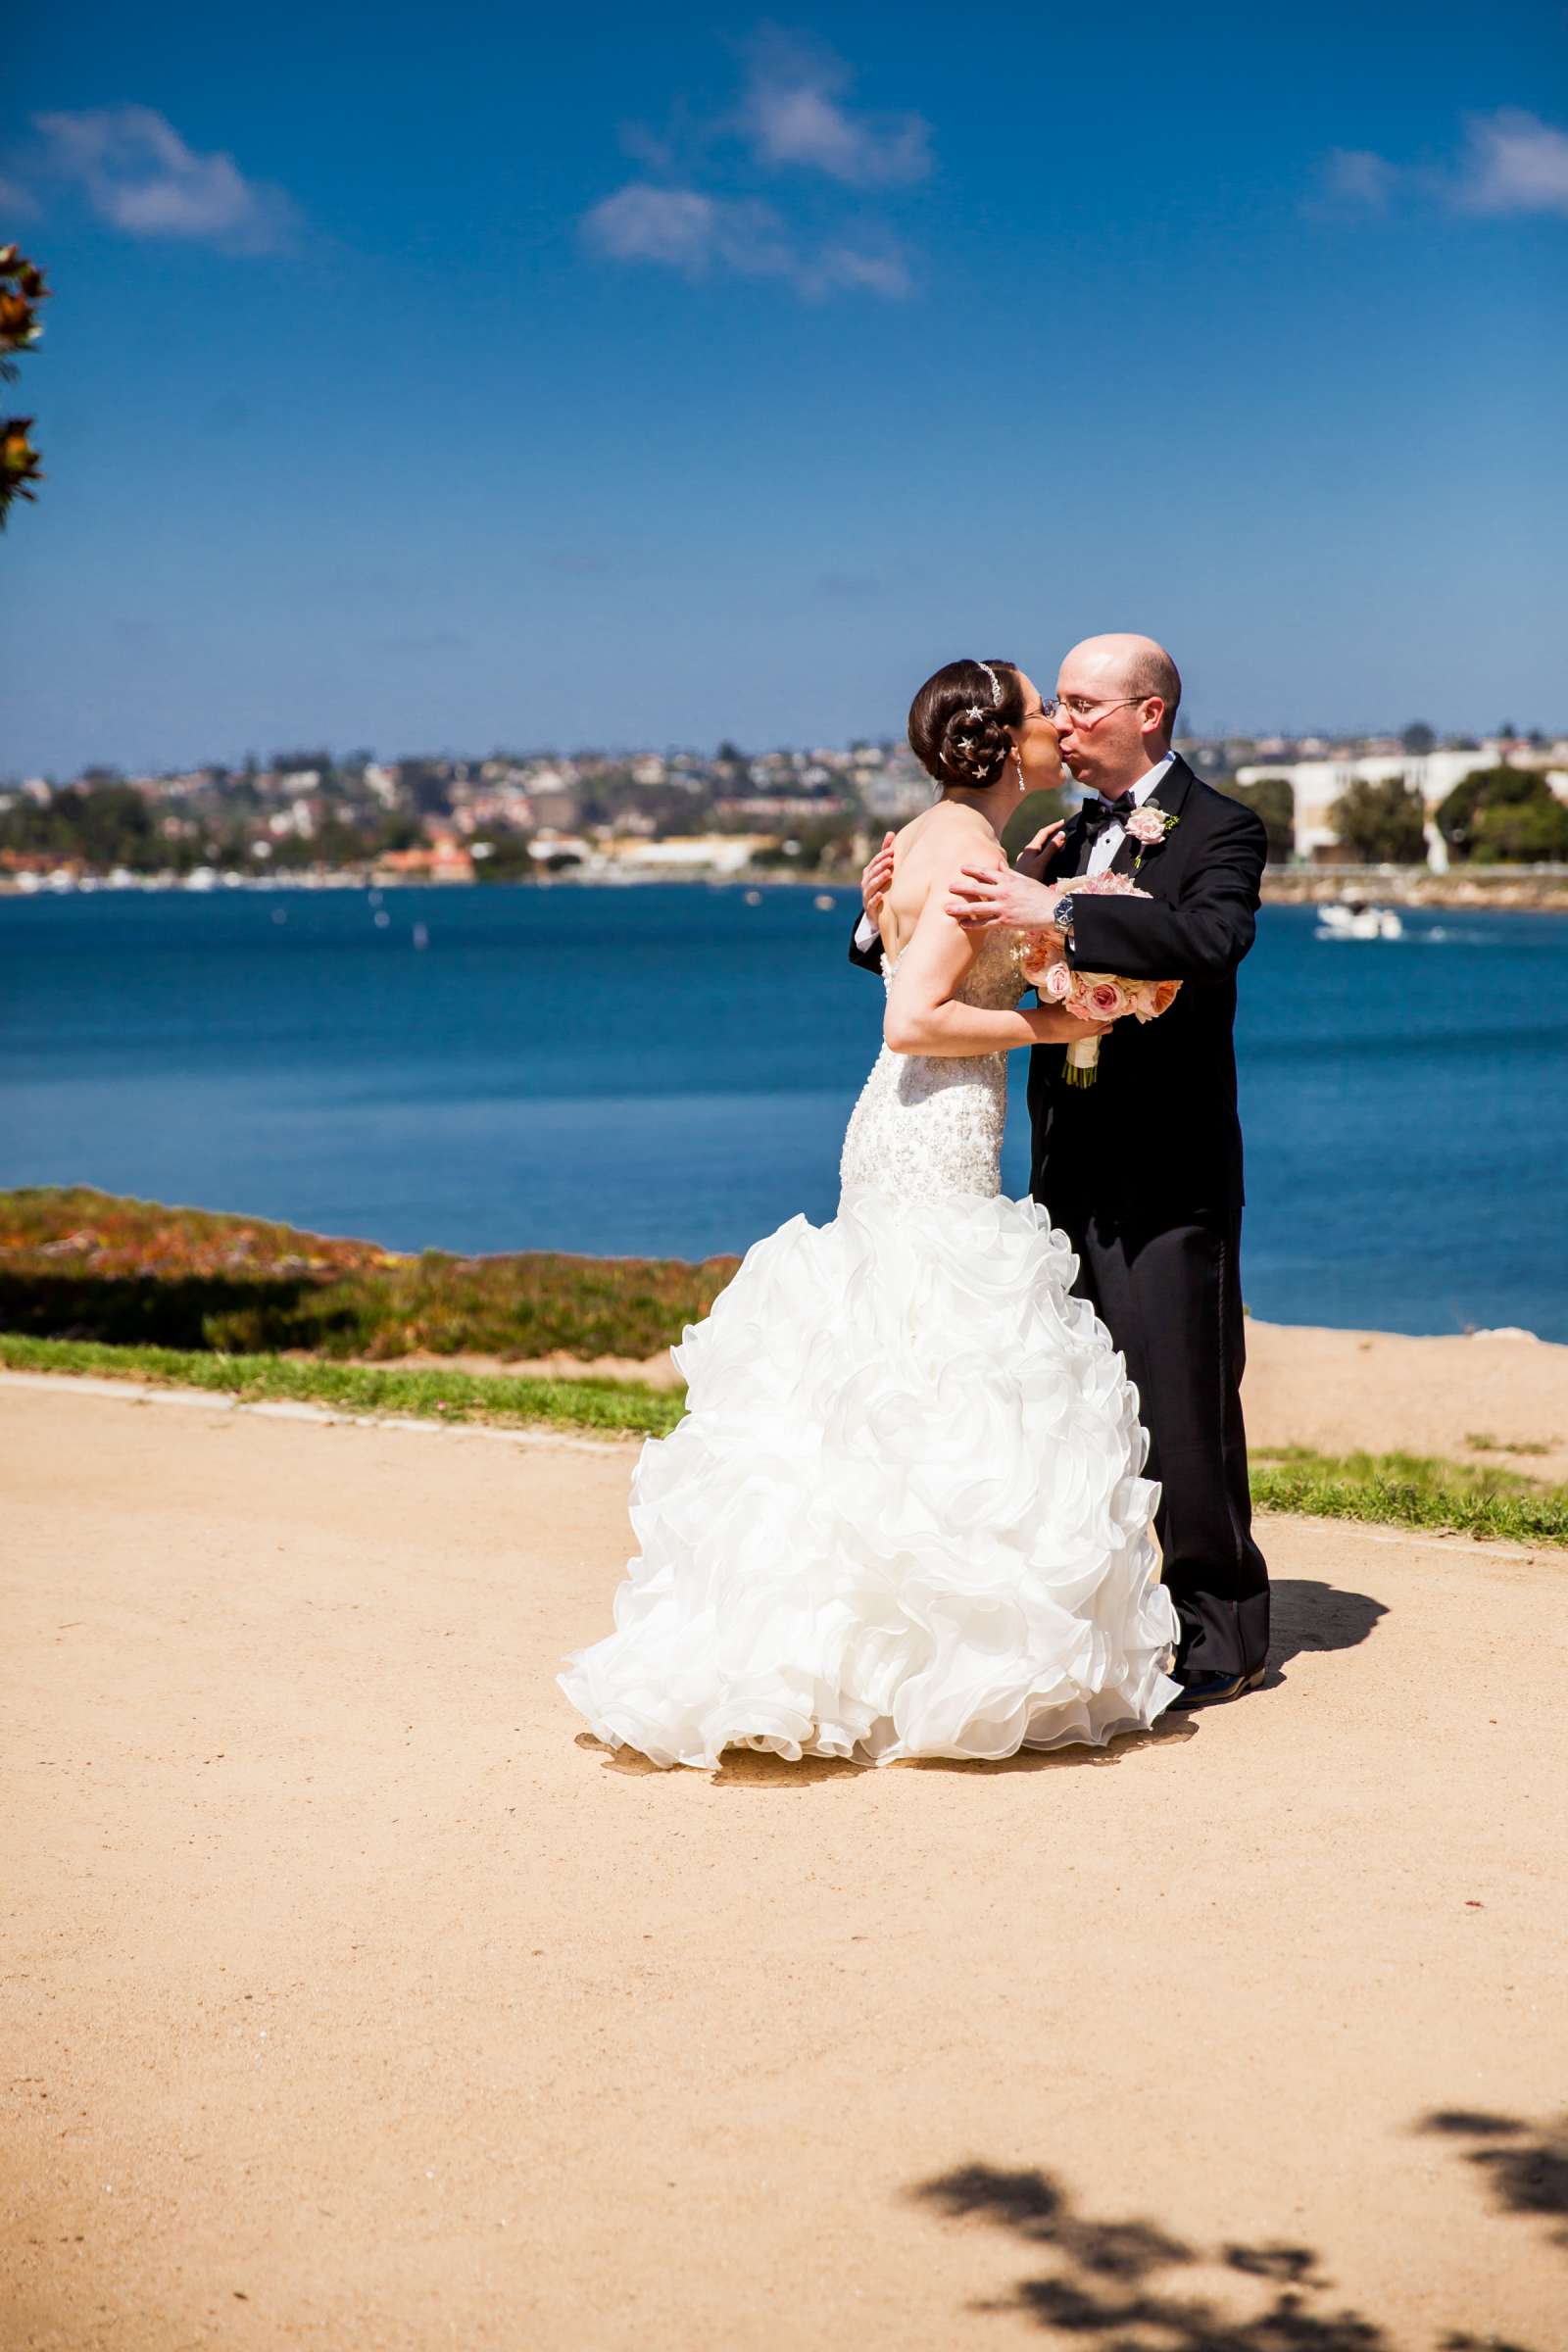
(80, 1264)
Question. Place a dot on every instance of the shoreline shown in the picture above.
(1504, 889)
(68, 1252)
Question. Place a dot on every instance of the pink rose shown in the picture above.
(1055, 983)
(1101, 999)
(1147, 825)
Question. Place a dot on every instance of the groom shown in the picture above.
(1143, 1170)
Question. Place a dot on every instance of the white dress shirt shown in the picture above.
(1101, 856)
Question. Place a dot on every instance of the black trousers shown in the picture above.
(1170, 1295)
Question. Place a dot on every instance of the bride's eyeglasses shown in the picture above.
(1082, 713)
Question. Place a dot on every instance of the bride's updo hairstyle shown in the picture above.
(958, 722)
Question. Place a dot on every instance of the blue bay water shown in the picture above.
(668, 1071)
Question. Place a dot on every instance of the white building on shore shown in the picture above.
(688, 853)
(1318, 783)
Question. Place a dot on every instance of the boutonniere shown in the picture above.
(1148, 826)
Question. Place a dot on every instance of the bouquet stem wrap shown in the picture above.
(1083, 1062)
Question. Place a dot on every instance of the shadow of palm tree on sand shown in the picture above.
(1118, 2285)
(1524, 2167)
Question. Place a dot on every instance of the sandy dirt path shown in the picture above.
(350, 2000)
(1387, 1394)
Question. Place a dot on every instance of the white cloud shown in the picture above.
(794, 118)
(139, 176)
(644, 223)
(848, 268)
(698, 234)
(681, 229)
(1355, 176)
(1512, 163)
(793, 113)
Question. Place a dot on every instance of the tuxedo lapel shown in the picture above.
(1169, 794)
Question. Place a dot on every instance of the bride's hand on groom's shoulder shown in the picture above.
(876, 878)
(984, 896)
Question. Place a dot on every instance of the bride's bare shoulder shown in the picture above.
(944, 838)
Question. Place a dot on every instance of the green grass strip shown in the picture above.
(426, 1395)
(1391, 1490)
(1411, 1489)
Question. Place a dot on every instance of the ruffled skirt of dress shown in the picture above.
(902, 1516)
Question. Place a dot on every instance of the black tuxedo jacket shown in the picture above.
(1156, 1136)
(1155, 1139)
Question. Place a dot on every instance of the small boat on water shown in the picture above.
(1354, 919)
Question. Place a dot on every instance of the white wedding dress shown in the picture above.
(903, 1515)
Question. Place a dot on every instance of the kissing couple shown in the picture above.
(912, 1507)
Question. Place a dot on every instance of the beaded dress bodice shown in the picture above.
(931, 1123)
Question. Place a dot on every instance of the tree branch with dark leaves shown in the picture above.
(22, 289)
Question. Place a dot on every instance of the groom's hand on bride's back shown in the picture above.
(983, 896)
(876, 879)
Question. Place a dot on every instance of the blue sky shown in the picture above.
(447, 379)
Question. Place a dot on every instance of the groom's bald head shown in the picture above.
(1122, 663)
(1117, 700)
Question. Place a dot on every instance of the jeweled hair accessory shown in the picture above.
(996, 684)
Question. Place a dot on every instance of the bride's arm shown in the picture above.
(923, 1016)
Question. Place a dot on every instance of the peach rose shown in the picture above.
(1040, 949)
(1152, 998)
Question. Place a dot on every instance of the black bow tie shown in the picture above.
(1097, 814)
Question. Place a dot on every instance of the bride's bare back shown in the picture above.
(928, 854)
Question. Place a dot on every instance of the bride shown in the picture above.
(903, 1515)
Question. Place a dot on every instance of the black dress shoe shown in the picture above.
(1202, 1688)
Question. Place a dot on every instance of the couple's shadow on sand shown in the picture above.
(1307, 1615)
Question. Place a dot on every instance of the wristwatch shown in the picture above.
(1062, 918)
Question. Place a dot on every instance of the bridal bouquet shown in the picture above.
(1092, 995)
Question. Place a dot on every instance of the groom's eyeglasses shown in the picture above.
(1084, 714)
